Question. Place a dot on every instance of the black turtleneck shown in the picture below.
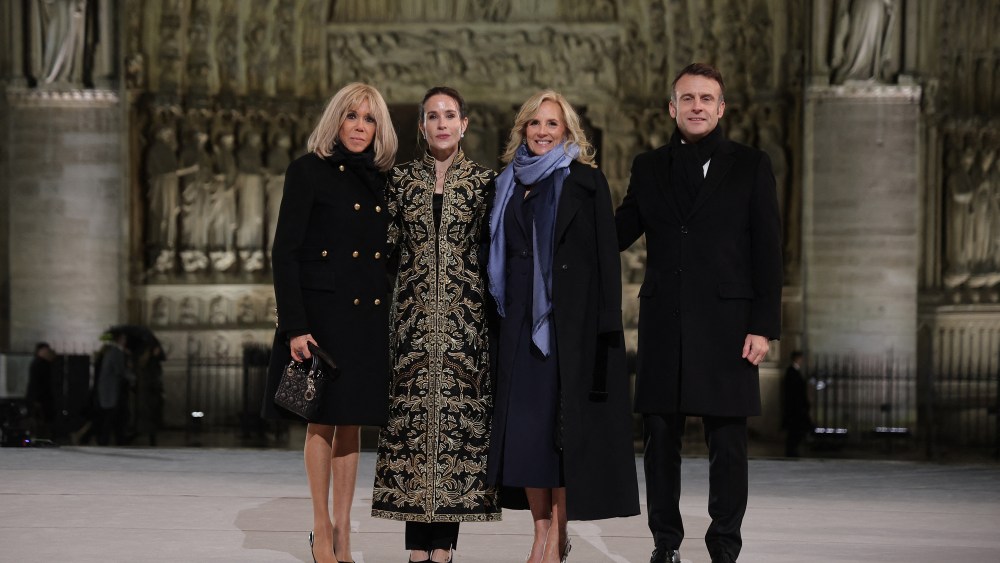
(362, 164)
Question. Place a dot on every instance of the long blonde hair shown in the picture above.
(574, 130)
(325, 135)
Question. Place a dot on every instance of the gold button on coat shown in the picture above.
(341, 167)
(357, 301)
(378, 209)
(378, 301)
(378, 255)
(354, 254)
(357, 207)
(323, 254)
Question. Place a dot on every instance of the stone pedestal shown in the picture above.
(861, 245)
(63, 218)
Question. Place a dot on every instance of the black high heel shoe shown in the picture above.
(312, 538)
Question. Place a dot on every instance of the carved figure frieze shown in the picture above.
(511, 61)
(208, 306)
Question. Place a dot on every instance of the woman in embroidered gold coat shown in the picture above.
(431, 466)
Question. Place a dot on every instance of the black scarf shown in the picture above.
(688, 164)
(363, 165)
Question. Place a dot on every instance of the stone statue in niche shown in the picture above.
(960, 188)
(865, 41)
(195, 190)
(981, 236)
(162, 172)
(61, 26)
(222, 202)
(250, 198)
(278, 159)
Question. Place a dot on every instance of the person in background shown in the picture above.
(795, 418)
(40, 395)
(113, 383)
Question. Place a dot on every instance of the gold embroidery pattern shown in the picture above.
(431, 464)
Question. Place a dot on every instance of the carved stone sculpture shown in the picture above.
(865, 42)
(163, 192)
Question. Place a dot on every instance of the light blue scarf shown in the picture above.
(545, 172)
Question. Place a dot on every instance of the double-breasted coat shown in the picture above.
(713, 275)
(595, 424)
(431, 464)
(328, 261)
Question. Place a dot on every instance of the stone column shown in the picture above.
(861, 239)
(63, 213)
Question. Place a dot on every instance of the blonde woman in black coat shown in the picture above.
(562, 426)
(331, 289)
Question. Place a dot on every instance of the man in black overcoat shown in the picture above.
(709, 304)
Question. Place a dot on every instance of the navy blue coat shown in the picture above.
(596, 425)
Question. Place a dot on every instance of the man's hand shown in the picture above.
(755, 348)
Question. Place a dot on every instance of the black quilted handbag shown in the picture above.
(304, 385)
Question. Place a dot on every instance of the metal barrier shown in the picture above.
(863, 400)
(881, 401)
(226, 393)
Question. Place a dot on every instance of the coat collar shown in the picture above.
(722, 161)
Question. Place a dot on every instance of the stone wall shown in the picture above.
(64, 215)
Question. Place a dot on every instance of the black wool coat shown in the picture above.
(330, 280)
(713, 276)
(596, 424)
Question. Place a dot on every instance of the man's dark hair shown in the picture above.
(39, 346)
(796, 355)
(699, 69)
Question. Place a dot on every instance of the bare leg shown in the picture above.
(557, 539)
(540, 503)
(317, 454)
(344, 466)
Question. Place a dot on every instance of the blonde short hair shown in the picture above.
(325, 135)
(574, 130)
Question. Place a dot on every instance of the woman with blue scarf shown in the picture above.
(561, 443)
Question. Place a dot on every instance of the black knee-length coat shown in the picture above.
(713, 275)
(596, 423)
(328, 261)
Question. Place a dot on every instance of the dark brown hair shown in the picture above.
(447, 91)
(699, 69)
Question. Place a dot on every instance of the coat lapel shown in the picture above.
(661, 172)
(722, 161)
(567, 207)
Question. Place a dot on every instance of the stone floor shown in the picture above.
(89, 504)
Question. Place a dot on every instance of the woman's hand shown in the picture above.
(300, 347)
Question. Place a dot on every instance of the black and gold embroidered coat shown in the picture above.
(431, 464)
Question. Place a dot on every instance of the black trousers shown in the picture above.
(727, 480)
(428, 536)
